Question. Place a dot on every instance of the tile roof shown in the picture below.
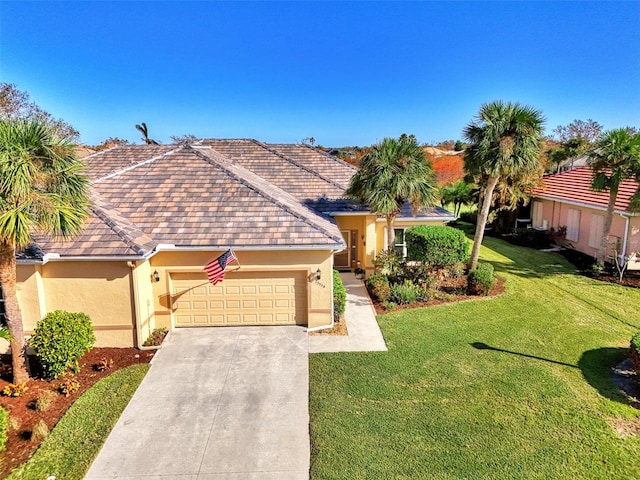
(214, 194)
(575, 186)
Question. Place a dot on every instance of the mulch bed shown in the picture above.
(584, 263)
(23, 415)
(451, 289)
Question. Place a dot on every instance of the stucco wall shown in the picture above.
(319, 292)
(102, 290)
(365, 225)
(556, 215)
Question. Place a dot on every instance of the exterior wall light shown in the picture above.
(318, 274)
(156, 276)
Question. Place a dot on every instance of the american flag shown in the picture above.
(215, 268)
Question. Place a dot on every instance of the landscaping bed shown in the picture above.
(24, 416)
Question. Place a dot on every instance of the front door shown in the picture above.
(342, 260)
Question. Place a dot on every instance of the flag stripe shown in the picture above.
(216, 267)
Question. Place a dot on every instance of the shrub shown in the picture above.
(436, 245)
(339, 296)
(44, 401)
(420, 274)
(405, 292)
(156, 337)
(387, 262)
(15, 389)
(530, 237)
(60, 339)
(4, 426)
(469, 217)
(480, 280)
(634, 352)
(69, 386)
(389, 305)
(104, 364)
(378, 286)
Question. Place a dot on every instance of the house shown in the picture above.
(567, 199)
(160, 213)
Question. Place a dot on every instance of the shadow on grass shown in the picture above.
(596, 366)
(484, 346)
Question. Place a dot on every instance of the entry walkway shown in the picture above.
(217, 404)
(362, 326)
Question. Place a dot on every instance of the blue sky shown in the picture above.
(345, 73)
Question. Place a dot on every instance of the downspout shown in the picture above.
(626, 236)
(136, 306)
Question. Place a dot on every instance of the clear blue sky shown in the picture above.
(345, 73)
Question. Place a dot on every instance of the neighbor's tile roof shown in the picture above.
(575, 186)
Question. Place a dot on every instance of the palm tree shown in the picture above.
(458, 193)
(392, 173)
(614, 157)
(41, 189)
(504, 141)
(142, 128)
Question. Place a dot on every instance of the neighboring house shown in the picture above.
(160, 213)
(567, 199)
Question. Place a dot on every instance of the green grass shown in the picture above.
(75, 441)
(531, 400)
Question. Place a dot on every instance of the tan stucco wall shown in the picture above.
(319, 292)
(102, 290)
(556, 213)
(365, 225)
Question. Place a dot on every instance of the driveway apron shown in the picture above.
(217, 403)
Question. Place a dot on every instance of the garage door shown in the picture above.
(243, 298)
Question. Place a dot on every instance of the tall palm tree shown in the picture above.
(505, 140)
(614, 157)
(392, 173)
(41, 189)
(142, 128)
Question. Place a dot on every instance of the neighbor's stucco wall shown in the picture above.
(556, 215)
(319, 293)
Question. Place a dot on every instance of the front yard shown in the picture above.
(517, 386)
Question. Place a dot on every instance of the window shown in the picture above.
(573, 224)
(536, 214)
(399, 243)
(596, 230)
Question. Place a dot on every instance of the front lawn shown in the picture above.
(516, 386)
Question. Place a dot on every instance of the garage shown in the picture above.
(243, 298)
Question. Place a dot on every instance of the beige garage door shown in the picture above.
(242, 298)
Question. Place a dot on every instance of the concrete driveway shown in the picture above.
(217, 403)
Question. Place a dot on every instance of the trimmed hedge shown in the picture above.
(4, 425)
(634, 352)
(480, 280)
(436, 245)
(60, 339)
(339, 296)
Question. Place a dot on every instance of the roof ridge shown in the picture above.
(118, 224)
(136, 165)
(324, 154)
(252, 181)
(302, 167)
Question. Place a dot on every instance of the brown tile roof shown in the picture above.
(316, 179)
(575, 186)
(216, 194)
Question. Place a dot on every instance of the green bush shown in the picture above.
(339, 296)
(60, 339)
(480, 280)
(387, 262)
(378, 286)
(156, 337)
(405, 292)
(436, 245)
(634, 352)
(469, 217)
(4, 426)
